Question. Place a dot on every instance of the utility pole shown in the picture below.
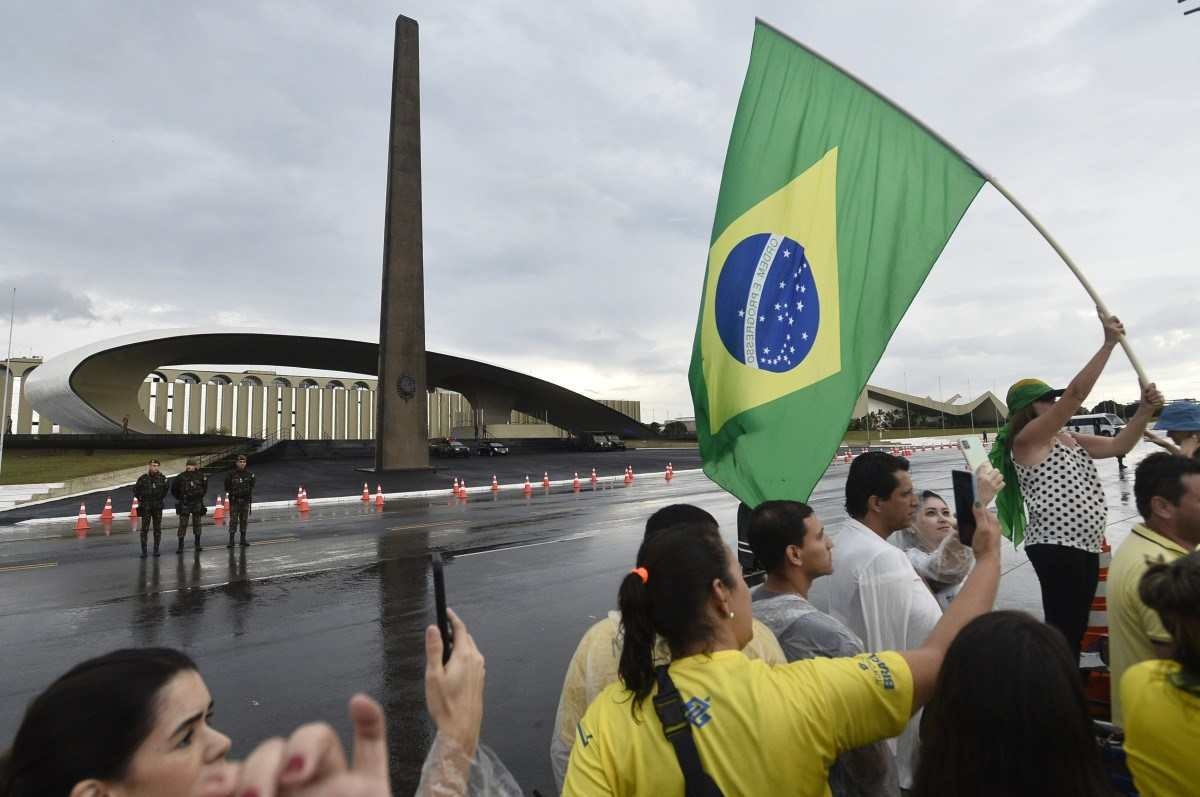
(907, 414)
(12, 316)
(942, 409)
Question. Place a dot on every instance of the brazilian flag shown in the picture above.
(834, 206)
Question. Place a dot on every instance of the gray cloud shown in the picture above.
(225, 162)
(40, 298)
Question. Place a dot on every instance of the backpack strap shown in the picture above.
(668, 704)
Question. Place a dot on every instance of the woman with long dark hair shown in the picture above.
(1008, 717)
(742, 725)
(1051, 474)
(1162, 696)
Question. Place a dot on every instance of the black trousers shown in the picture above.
(239, 513)
(1068, 577)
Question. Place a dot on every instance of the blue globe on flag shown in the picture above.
(767, 308)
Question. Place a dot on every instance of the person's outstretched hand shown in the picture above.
(1152, 399)
(1114, 330)
(990, 482)
(311, 763)
(454, 691)
(987, 533)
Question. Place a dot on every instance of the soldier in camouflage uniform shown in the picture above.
(150, 490)
(189, 488)
(239, 485)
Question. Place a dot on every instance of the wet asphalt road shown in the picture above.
(319, 607)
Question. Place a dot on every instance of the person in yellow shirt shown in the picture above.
(1167, 490)
(594, 664)
(742, 726)
(1162, 696)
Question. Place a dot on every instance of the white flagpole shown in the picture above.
(12, 315)
(1087, 286)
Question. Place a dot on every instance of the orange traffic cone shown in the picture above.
(81, 523)
(546, 479)
(575, 485)
(528, 487)
(379, 496)
(133, 515)
(219, 510)
(454, 489)
(628, 475)
(301, 500)
(366, 496)
(667, 475)
(594, 479)
(106, 515)
(495, 484)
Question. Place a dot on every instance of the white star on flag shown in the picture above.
(787, 252)
(741, 313)
(804, 336)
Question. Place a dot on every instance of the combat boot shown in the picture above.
(143, 545)
(244, 543)
(198, 548)
(179, 550)
(157, 540)
(230, 545)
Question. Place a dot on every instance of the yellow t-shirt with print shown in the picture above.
(1162, 730)
(594, 666)
(760, 729)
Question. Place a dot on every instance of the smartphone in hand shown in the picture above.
(973, 451)
(439, 599)
(965, 489)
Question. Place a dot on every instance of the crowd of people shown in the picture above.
(870, 661)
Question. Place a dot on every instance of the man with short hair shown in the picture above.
(150, 489)
(875, 590)
(789, 541)
(239, 486)
(1167, 490)
(189, 488)
(594, 664)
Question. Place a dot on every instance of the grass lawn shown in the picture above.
(901, 434)
(22, 466)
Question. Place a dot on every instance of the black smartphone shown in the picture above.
(964, 504)
(439, 599)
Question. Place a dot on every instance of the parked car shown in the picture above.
(615, 442)
(593, 441)
(490, 448)
(1104, 425)
(442, 447)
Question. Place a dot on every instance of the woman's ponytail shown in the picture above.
(636, 666)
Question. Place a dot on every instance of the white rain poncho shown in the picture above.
(943, 564)
(447, 773)
(594, 666)
(875, 590)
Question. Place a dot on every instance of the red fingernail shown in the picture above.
(250, 792)
(295, 764)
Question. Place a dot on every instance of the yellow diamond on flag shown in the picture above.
(771, 323)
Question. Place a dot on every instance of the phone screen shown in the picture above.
(439, 599)
(964, 504)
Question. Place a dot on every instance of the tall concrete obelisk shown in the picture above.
(401, 428)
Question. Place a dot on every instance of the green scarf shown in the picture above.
(1010, 504)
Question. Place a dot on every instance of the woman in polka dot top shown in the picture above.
(1057, 482)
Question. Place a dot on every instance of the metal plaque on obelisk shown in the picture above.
(401, 441)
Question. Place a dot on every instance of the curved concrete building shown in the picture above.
(92, 388)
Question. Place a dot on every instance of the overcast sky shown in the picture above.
(223, 163)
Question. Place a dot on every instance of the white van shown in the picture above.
(1105, 424)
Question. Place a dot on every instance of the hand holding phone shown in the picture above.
(965, 490)
(439, 599)
(973, 451)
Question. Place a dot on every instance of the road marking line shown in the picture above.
(275, 540)
(572, 538)
(426, 525)
(14, 568)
